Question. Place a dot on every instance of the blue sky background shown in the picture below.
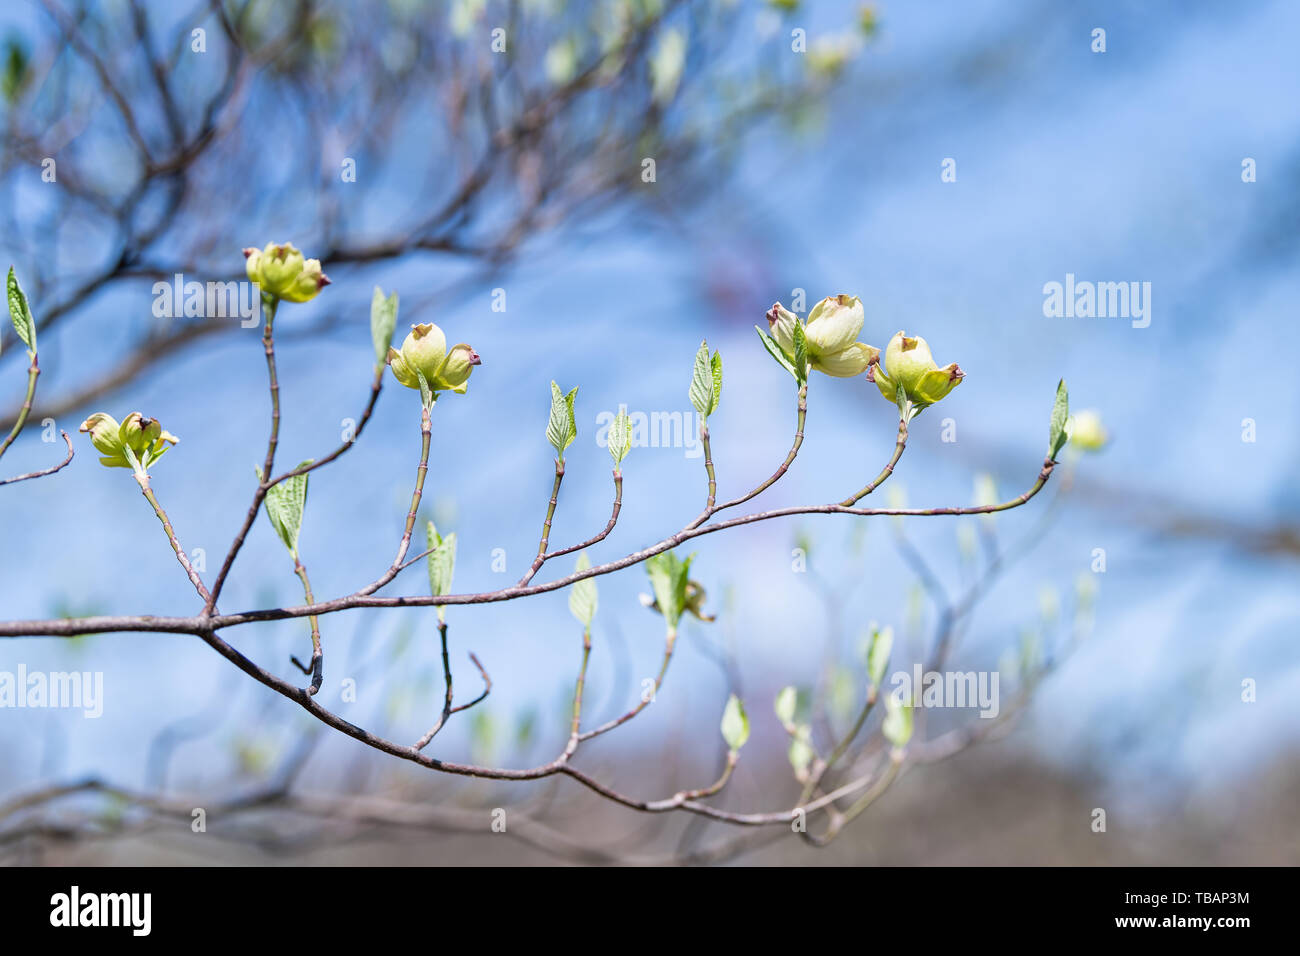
(1115, 167)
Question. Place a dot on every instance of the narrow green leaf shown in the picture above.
(715, 366)
(774, 350)
(882, 643)
(701, 392)
(21, 314)
(383, 320)
(1057, 435)
(786, 702)
(735, 723)
(582, 596)
(619, 439)
(562, 427)
(284, 506)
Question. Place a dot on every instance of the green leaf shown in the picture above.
(800, 354)
(702, 382)
(801, 752)
(442, 560)
(882, 642)
(383, 320)
(735, 723)
(897, 725)
(562, 428)
(284, 506)
(426, 392)
(715, 366)
(786, 702)
(582, 596)
(21, 313)
(774, 350)
(668, 577)
(1057, 436)
(619, 439)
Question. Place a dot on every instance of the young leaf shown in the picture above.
(800, 354)
(701, 392)
(882, 642)
(562, 428)
(582, 596)
(897, 725)
(774, 350)
(801, 752)
(619, 439)
(735, 723)
(668, 577)
(21, 313)
(284, 506)
(442, 560)
(715, 366)
(1057, 436)
(786, 702)
(426, 392)
(383, 319)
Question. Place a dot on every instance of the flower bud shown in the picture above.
(1086, 431)
(830, 335)
(908, 363)
(281, 271)
(781, 322)
(424, 350)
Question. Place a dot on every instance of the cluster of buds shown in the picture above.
(910, 366)
(281, 271)
(424, 354)
(136, 443)
(831, 346)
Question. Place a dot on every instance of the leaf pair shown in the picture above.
(582, 596)
(21, 314)
(668, 577)
(619, 438)
(706, 382)
(562, 428)
(285, 504)
(1057, 435)
(442, 561)
(735, 723)
(383, 320)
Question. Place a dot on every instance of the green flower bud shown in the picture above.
(424, 350)
(1086, 431)
(831, 336)
(281, 271)
(908, 363)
